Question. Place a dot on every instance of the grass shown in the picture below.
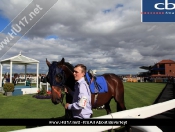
(24, 106)
(141, 94)
(136, 95)
(23, 84)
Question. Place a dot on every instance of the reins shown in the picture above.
(68, 69)
(62, 96)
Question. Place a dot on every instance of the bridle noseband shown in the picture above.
(62, 96)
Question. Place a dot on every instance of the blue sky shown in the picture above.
(111, 9)
(4, 22)
(52, 36)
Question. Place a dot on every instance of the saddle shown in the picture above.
(97, 84)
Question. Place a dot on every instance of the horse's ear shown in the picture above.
(47, 62)
(62, 61)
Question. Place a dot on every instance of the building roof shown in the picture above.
(146, 67)
(19, 59)
(166, 62)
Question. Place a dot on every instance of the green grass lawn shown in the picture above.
(23, 84)
(137, 95)
(24, 106)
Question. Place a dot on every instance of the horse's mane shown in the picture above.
(70, 66)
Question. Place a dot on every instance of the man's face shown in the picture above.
(78, 74)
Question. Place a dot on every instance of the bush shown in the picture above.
(43, 94)
(8, 87)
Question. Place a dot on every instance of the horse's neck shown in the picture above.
(68, 71)
(70, 82)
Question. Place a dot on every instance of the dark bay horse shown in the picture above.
(61, 76)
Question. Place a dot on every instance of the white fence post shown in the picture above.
(45, 84)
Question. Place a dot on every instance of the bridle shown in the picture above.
(62, 96)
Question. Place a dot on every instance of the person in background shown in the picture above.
(4, 80)
(28, 82)
(39, 80)
(8, 78)
(15, 79)
(42, 78)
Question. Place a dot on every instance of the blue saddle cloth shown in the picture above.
(97, 86)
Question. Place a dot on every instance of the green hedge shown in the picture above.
(8, 87)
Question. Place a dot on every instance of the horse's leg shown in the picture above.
(68, 114)
(120, 107)
(108, 109)
(119, 99)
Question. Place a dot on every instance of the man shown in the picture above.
(4, 80)
(81, 105)
(42, 78)
(39, 80)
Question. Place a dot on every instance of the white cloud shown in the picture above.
(115, 41)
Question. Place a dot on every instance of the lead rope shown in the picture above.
(68, 113)
(62, 99)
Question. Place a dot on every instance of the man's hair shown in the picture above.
(83, 67)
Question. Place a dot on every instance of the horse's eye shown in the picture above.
(59, 76)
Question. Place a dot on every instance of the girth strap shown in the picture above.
(95, 99)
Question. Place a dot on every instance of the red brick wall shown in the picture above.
(169, 67)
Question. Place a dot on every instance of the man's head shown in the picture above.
(79, 71)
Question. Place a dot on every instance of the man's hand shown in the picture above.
(66, 105)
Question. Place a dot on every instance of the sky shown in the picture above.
(105, 35)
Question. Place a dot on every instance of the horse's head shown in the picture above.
(58, 74)
(56, 79)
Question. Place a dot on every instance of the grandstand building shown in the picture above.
(164, 68)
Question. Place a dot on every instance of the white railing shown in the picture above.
(22, 79)
(84, 129)
(29, 90)
(44, 84)
(34, 90)
(143, 112)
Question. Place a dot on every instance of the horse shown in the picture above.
(60, 76)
